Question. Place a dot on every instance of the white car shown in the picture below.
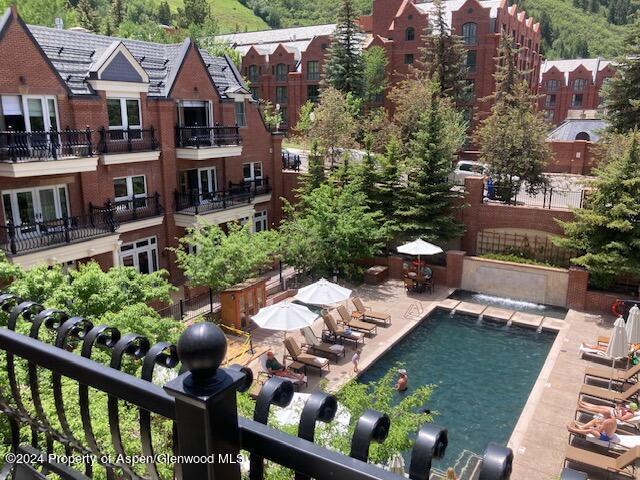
(468, 168)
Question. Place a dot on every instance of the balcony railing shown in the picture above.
(127, 140)
(258, 186)
(198, 203)
(40, 146)
(204, 137)
(193, 416)
(40, 234)
(124, 211)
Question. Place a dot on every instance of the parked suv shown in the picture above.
(468, 168)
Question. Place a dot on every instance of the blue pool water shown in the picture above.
(483, 371)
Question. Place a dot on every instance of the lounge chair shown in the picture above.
(606, 373)
(369, 314)
(359, 325)
(297, 355)
(314, 345)
(264, 375)
(610, 395)
(622, 465)
(340, 334)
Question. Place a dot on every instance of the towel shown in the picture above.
(593, 351)
(619, 442)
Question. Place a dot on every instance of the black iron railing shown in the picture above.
(39, 234)
(41, 146)
(130, 210)
(127, 140)
(204, 137)
(196, 203)
(259, 186)
(200, 403)
(291, 161)
(545, 198)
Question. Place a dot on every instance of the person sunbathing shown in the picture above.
(602, 429)
(621, 412)
(274, 367)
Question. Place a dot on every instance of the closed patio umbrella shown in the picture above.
(323, 292)
(618, 343)
(633, 325)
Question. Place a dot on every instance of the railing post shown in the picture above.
(111, 215)
(67, 235)
(52, 144)
(134, 208)
(104, 148)
(544, 197)
(550, 197)
(181, 309)
(206, 405)
(12, 237)
(87, 132)
(210, 301)
(157, 200)
(197, 136)
(129, 145)
(152, 132)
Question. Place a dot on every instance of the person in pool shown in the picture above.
(602, 429)
(621, 412)
(274, 367)
(403, 381)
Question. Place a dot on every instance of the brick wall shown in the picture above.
(572, 157)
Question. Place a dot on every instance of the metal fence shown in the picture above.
(185, 310)
(199, 406)
(38, 146)
(532, 247)
(123, 140)
(546, 198)
(203, 137)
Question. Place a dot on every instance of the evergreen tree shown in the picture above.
(622, 92)
(429, 203)
(581, 48)
(507, 75)
(375, 73)
(546, 31)
(164, 13)
(117, 14)
(606, 231)
(367, 176)
(315, 175)
(344, 67)
(87, 15)
(444, 55)
(195, 12)
(391, 187)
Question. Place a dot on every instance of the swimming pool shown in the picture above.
(509, 304)
(484, 372)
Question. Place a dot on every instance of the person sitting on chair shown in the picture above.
(602, 429)
(274, 367)
(621, 412)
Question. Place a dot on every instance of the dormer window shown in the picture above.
(579, 84)
(281, 72)
(552, 85)
(124, 115)
(253, 73)
(470, 33)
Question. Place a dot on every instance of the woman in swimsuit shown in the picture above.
(601, 429)
(621, 412)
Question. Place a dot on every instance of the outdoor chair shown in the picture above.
(623, 376)
(365, 327)
(314, 345)
(623, 465)
(611, 395)
(297, 355)
(369, 314)
(340, 334)
(264, 375)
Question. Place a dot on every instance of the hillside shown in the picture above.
(231, 15)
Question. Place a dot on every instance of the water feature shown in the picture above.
(483, 373)
(509, 304)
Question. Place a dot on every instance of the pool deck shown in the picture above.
(540, 436)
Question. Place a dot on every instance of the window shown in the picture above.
(141, 255)
(471, 60)
(410, 34)
(583, 136)
(284, 115)
(408, 58)
(281, 94)
(313, 92)
(28, 113)
(576, 100)
(550, 100)
(470, 33)
(579, 84)
(241, 120)
(260, 221)
(194, 113)
(313, 70)
(552, 85)
(281, 72)
(252, 172)
(207, 182)
(124, 113)
(131, 188)
(29, 205)
(253, 73)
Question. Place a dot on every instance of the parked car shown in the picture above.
(468, 168)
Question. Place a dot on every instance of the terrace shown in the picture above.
(205, 142)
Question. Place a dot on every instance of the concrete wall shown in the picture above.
(521, 282)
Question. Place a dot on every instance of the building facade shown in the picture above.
(285, 66)
(111, 148)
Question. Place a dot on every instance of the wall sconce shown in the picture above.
(23, 79)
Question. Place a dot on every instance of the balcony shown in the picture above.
(59, 240)
(222, 206)
(134, 214)
(128, 145)
(24, 154)
(202, 143)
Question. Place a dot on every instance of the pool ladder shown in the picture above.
(467, 467)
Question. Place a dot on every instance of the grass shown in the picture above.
(231, 15)
(514, 258)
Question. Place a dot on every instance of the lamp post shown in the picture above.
(278, 117)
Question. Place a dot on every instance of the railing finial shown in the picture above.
(201, 349)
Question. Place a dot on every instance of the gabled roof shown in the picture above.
(567, 131)
(593, 65)
(73, 54)
(451, 6)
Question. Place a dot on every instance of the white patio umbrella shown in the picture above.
(323, 292)
(284, 316)
(618, 344)
(633, 325)
(396, 464)
(418, 248)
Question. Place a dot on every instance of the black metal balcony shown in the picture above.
(130, 210)
(127, 140)
(196, 203)
(258, 186)
(199, 406)
(38, 146)
(207, 137)
(40, 234)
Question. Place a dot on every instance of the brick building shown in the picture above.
(285, 66)
(572, 85)
(110, 148)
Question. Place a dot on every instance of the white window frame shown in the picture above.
(252, 176)
(130, 195)
(133, 250)
(35, 195)
(244, 113)
(261, 218)
(44, 100)
(212, 179)
(124, 116)
(207, 104)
